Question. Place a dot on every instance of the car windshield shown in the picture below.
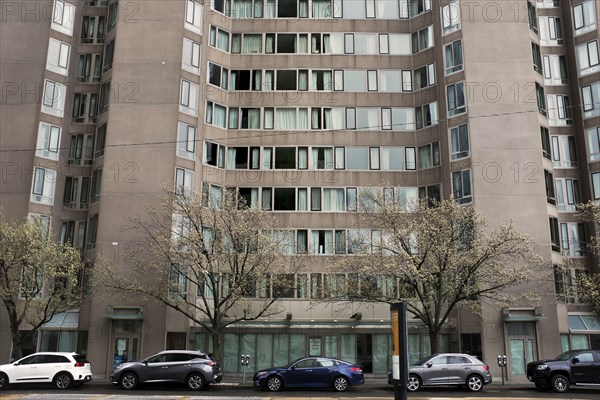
(80, 358)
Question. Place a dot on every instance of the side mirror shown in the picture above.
(146, 362)
(575, 360)
(16, 364)
(429, 364)
(293, 367)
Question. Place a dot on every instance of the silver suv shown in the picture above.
(449, 369)
(197, 370)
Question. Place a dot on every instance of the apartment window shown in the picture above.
(593, 137)
(184, 181)
(44, 181)
(322, 242)
(546, 148)
(214, 154)
(100, 141)
(459, 142)
(224, 6)
(590, 96)
(456, 99)
(563, 151)
(322, 80)
(584, 17)
(81, 149)
(217, 76)
(188, 103)
(559, 110)
(93, 29)
(550, 31)
(537, 57)
(549, 180)
(554, 234)
(426, 115)
(563, 284)
(532, 15)
(219, 38)
(89, 68)
(454, 60)
(587, 58)
(433, 194)
(48, 141)
(96, 184)
(596, 185)
(319, 43)
(572, 239)
(63, 17)
(191, 56)
(193, 16)
(108, 55)
(416, 7)
(429, 155)
(178, 282)
(53, 101)
(461, 186)
(92, 231)
(423, 77)
(85, 108)
(541, 98)
(567, 194)
(422, 39)
(284, 199)
(186, 141)
(104, 96)
(555, 69)
(451, 17)
(113, 16)
(58, 57)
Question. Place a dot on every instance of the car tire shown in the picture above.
(63, 380)
(474, 383)
(274, 383)
(341, 383)
(414, 383)
(128, 381)
(3, 380)
(559, 383)
(195, 381)
(542, 387)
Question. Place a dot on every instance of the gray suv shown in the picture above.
(197, 370)
(453, 369)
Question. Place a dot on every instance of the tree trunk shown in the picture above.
(17, 340)
(434, 340)
(217, 346)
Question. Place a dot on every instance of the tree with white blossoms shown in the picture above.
(38, 278)
(588, 284)
(211, 258)
(436, 257)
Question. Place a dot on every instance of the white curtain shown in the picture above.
(304, 8)
(252, 44)
(321, 9)
(254, 118)
(236, 45)
(327, 80)
(333, 200)
(254, 197)
(219, 116)
(270, 44)
(326, 43)
(267, 157)
(242, 9)
(268, 80)
(303, 158)
(303, 80)
(303, 43)
(255, 157)
(257, 83)
(285, 118)
(223, 40)
(315, 118)
(269, 118)
(231, 158)
(233, 118)
(303, 118)
(327, 120)
(302, 199)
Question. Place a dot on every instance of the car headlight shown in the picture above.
(259, 374)
(541, 367)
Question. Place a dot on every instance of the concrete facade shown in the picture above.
(359, 81)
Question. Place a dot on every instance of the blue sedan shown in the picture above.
(311, 372)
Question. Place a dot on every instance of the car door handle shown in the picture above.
(164, 367)
(308, 370)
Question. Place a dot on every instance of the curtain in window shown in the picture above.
(325, 247)
(233, 118)
(252, 44)
(219, 116)
(303, 43)
(270, 44)
(302, 158)
(315, 118)
(303, 80)
(257, 81)
(254, 118)
(231, 158)
(285, 118)
(267, 157)
(255, 158)
(326, 44)
(236, 43)
(242, 9)
(258, 13)
(303, 118)
(223, 40)
(424, 157)
(333, 199)
(302, 200)
(268, 80)
(269, 118)
(327, 119)
(321, 9)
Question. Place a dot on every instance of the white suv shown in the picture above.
(62, 369)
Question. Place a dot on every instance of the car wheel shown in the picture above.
(474, 383)
(3, 381)
(128, 380)
(560, 383)
(274, 383)
(195, 381)
(63, 380)
(340, 383)
(542, 387)
(414, 383)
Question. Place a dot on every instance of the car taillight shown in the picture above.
(356, 369)
(486, 368)
(79, 364)
(211, 363)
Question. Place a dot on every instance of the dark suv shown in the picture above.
(197, 370)
(569, 368)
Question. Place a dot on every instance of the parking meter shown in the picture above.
(502, 364)
(245, 361)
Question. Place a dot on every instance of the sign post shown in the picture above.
(400, 350)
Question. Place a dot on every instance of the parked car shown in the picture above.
(311, 372)
(448, 369)
(569, 368)
(64, 370)
(196, 369)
